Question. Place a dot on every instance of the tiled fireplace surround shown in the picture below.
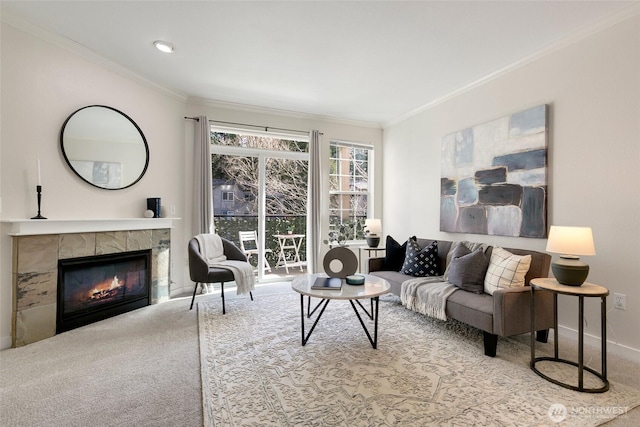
(35, 265)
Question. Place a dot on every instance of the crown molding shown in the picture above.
(576, 36)
(278, 112)
(86, 53)
(82, 51)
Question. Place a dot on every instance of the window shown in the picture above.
(260, 184)
(350, 179)
(259, 141)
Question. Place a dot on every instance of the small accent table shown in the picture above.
(296, 242)
(372, 289)
(368, 250)
(586, 290)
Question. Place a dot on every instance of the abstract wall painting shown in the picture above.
(494, 177)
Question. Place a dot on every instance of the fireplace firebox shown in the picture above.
(98, 287)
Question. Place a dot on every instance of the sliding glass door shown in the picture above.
(286, 212)
(260, 196)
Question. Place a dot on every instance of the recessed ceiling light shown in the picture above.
(165, 47)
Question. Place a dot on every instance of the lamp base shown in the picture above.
(570, 271)
(373, 241)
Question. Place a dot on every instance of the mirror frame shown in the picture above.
(144, 140)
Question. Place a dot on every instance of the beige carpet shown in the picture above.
(424, 372)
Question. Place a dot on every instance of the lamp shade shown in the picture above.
(373, 226)
(571, 241)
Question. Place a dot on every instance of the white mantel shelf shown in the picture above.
(31, 227)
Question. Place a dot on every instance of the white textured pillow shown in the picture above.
(506, 270)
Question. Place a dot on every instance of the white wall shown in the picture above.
(41, 85)
(43, 82)
(593, 89)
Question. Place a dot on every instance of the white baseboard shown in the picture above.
(5, 343)
(616, 348)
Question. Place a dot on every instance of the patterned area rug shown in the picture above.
(425, 372)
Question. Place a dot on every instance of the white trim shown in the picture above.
(5, 342)
(616, 348)
(211, 103)
(351, 144)
(257, 152)
(252, 131)
(262, 211)
(370, 178)
(32, 227)
(578, 35)
(262, 155)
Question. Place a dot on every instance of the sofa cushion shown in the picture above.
(420, 262)
(468, 269)
(395, 279)
(505, 270)
(473, 309)
(394, 254)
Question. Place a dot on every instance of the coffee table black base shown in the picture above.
(323, 305)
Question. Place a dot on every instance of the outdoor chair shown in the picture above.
(249, 245)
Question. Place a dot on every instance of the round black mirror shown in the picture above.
(104, 147)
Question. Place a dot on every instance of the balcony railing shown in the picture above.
(229, 226)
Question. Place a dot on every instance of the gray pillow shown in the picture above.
(467, 269)
(472, 246)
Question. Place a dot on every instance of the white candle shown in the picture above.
(39, 178)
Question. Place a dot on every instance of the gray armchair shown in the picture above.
(201, 272)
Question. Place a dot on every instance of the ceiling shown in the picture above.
(371, 61)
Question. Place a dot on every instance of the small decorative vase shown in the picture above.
(373, 241)
(346, 262)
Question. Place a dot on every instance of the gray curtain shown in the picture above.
(202, 183)
(313, 203)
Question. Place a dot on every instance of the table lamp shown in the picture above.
(373, 227)
(570, 242)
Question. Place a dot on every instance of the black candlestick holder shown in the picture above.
(39, 190)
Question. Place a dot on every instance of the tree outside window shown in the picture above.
(284, 179)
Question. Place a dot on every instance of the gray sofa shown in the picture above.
(507, 312)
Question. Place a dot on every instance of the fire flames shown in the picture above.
(106, 289)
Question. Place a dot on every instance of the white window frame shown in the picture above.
(370, 178)
(262, 155)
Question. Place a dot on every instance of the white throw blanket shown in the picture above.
(212, 251)
(427, 295)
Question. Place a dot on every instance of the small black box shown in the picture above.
(153, 204)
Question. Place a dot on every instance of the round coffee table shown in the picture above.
(372, 289)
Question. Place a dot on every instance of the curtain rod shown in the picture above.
(266, 128)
